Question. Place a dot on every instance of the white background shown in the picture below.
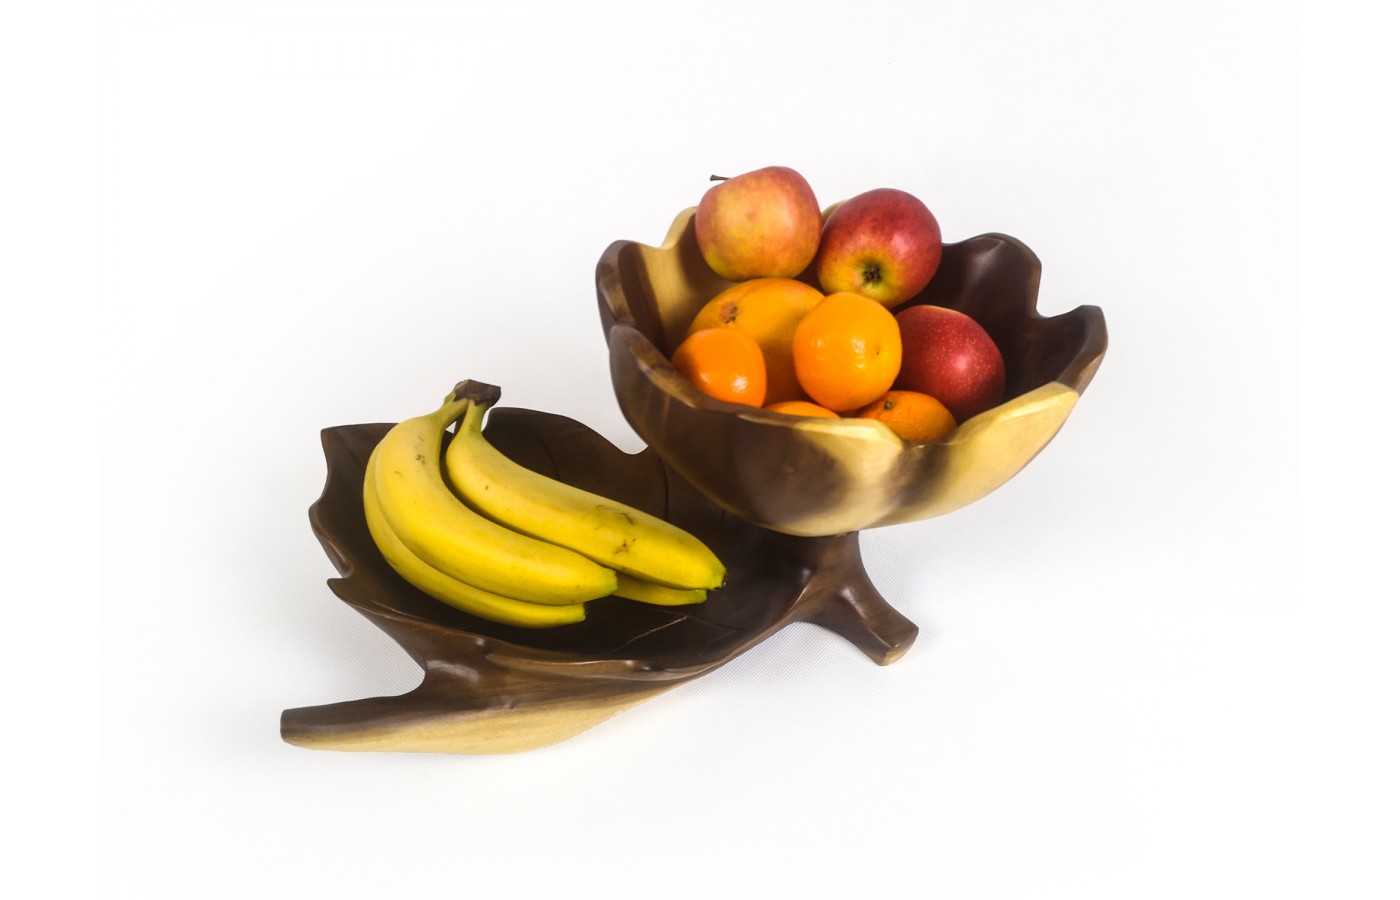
(1155, 664)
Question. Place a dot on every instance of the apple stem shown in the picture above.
(719, 177)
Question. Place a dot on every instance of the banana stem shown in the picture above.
(472, 419)
(477, 392)
(479, 397)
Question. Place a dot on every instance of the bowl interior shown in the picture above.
(811, 477)
(994, 278)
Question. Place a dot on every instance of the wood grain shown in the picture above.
(780, 500)
(822, 477)
(492, 688)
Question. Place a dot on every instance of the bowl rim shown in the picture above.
(922, 479)
(615, 311)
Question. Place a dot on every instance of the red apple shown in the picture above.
(948, 355)
(884, 244)
(762, 224)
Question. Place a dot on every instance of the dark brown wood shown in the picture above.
(489, 687)
(817, 477)
(780, 500)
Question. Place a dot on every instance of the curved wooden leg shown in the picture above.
(840, 597)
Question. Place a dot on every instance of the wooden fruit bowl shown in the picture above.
(821, 476)
(780, 500)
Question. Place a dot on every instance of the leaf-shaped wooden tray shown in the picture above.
(491, 688)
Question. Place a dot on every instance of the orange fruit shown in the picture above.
(724, 363)
(913, 416)
(846, 351)
(767, 310)
(801, 408)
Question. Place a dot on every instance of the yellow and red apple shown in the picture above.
(884, 244)
(762, 224)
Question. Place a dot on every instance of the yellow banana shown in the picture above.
(448, 589)
(656, 594)
(439, 529)
(609, 533)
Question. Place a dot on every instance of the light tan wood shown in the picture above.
(780, 499)
(831, 476)
(372, 726)
(492, 688)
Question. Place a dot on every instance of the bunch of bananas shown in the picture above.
(484, 534)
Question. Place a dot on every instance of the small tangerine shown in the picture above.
(724, 363)
(914, 416)
(801, 408)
